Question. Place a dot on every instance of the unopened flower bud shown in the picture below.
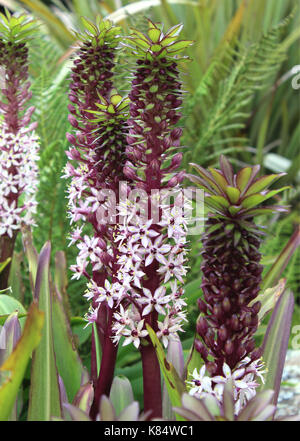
(202, 306)
(201, 326)
(234, 322)
(71, 138)
(199, 346)
(226, 304)
(223, 333)
(73, 121)
(229, 347)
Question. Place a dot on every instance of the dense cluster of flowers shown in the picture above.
(138, 247)
(244, 379)
(18, 172)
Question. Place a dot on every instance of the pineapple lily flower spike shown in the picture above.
(115, 142)
(18, 142)
(97, 158)
(231, 279)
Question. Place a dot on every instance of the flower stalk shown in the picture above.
(18, 142)
(231, 278)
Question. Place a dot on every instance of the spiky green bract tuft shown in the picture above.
(16, 29)
(231, 263)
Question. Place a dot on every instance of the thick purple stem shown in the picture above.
(151, 382)
(106, 375)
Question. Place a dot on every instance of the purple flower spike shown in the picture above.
(18, 143)
(231, 279)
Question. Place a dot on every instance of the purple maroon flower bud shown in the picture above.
(201, 326)
(73, 121)
(229, 347)
(199, 346)
(71, 138)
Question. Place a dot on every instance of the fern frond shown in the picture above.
(227, 90)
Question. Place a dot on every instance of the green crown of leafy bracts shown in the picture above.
(112, 108)
(156, 44)
(99, 33)
(16, 29)
(238, 195)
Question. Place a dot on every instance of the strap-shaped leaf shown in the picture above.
(262, 183)
(14, 367)
(174, 384)
(44, 400)
(276, 340)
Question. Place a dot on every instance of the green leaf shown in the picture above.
(275, 343)
(243, 177)
(121, 394)
(31, 254)
(174, 384)
(154, 34)
(9, 304)
(13, 369)
(89, 26)
(268, 298)
(15, 276)
(4, 264)
(262, 183)
(68, 362)
(174, 356)
(44, 396)
(194, 361)
(219, 178)
(282, 260)
(256, 199)
(233, 194)
(178, 46)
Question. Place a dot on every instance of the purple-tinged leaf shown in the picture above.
(266, 413)
(84, 397)
(276, 340)
(62, 391)
(16, 363)
(196, 406)
(75, 413)
(201, 183)
(265, 210)
(130, 413)
(68, 362)
(282, 260)
(174, 356)
(107, 411)
(121, 394)
(9, 336)
(44, 398)
(227, 170)
(228, 401)
(31, 254)
(256, 199)
(256, 405)
(219, 178)
(207, 177)
(187, 414)
(173, 381)
(243, 177)
(262, 183)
